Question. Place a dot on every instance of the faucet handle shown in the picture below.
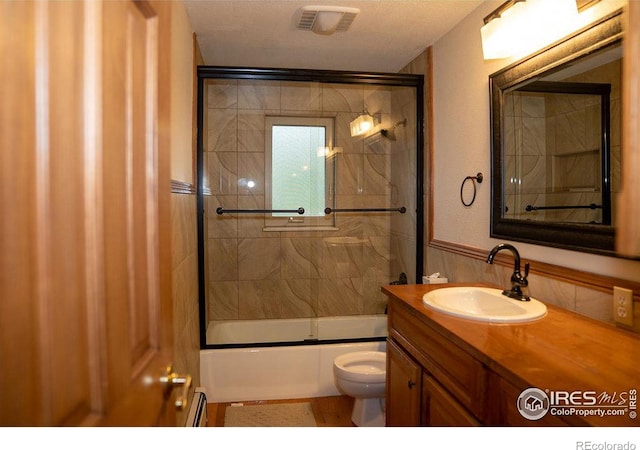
(526, 270)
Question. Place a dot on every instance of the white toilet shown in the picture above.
(362, 375)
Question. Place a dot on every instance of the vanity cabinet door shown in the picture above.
(404, 380)
(440, 409)
(510, 416)
(463, 376)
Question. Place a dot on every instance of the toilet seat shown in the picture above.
(365, 367)
(362, 375)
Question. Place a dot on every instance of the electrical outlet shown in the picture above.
(623, 306)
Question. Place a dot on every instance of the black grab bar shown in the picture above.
(401, 210)
(220, 210)
(536, 208)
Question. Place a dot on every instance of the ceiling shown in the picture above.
(384, 37)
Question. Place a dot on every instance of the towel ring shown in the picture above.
(479, 177)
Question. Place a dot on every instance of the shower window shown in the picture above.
(298, 171)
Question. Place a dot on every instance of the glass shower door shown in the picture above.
(272, 275)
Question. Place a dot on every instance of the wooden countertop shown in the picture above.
(563, 351)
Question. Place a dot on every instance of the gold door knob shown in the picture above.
(170, 379)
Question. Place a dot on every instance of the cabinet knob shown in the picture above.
(411, 384)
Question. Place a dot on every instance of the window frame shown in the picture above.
(296, 222)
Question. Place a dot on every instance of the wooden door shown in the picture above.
(85, 306)
(404, 379)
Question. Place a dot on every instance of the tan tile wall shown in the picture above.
(255, 274)
(185, 287)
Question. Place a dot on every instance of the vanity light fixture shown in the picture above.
(362, 124)
(520, 26)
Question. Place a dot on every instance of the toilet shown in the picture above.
(362, 375)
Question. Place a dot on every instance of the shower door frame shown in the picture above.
(303, 75)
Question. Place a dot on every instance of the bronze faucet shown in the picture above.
(517, 280)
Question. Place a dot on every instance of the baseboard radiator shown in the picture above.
(197, 416)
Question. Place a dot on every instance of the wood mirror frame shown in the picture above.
(591, 238)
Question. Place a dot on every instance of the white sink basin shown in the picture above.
(483, 304)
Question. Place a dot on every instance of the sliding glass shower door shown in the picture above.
(302, 222)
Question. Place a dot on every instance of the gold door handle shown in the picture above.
(171, 379)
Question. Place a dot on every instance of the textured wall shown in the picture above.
(462, 147)
(460, 119)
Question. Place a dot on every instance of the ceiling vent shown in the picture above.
(326, 19)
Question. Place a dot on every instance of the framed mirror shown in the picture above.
(555, 142)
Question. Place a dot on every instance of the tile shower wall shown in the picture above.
(403, 184)
(184, 268)
(253, 274)
(421, 66)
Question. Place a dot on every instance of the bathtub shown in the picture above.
(281, 372)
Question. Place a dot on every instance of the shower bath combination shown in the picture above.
(254, 271)
(288, 301)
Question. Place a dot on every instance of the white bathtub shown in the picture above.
(268, 373)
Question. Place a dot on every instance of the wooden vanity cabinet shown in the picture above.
(431, 381)
(505, 411)
(404, 387)
(446, 371)
(440, 409)
(415, 398)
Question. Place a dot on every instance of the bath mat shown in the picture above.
(271, 415)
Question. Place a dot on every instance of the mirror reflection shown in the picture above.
(561, 134)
